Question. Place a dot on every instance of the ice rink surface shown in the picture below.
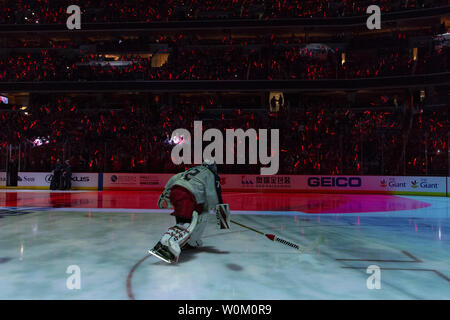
(107, 235)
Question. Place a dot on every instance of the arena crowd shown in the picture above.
(317, 137)
(95, 11)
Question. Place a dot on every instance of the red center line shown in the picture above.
(130, 277)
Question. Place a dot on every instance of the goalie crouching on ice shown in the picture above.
(192, 194)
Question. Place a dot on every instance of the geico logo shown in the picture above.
(334, 182)
(80, 179)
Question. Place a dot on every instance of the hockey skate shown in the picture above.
(163, 253)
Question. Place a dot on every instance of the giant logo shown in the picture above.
(424, 184)
(392, 183)
(339, 182)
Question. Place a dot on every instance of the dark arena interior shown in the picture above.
(323, 124)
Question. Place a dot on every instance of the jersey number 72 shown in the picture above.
(190, 173)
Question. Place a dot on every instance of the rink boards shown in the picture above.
(407, 185)
(41, 180)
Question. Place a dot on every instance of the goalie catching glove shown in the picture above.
(223, 216)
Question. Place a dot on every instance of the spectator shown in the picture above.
(56, 182)
(67, 176)
(12, 173)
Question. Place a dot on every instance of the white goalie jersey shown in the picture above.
(200, 181)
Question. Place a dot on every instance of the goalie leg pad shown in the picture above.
(195, 240)
(223, 216)
(169, 247)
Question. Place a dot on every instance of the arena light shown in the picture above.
(422, 95)
(40, 141)
(37, 142)
(177, 139)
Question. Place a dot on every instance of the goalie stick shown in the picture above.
(275, 238)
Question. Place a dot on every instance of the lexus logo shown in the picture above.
(49, 177)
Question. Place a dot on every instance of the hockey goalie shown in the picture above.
(192, 194)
